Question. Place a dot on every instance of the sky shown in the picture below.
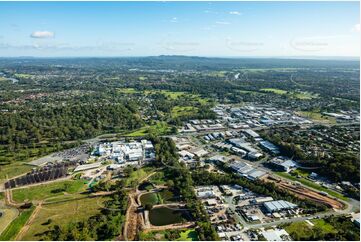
(225, 29)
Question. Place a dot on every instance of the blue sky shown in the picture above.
(181, 28)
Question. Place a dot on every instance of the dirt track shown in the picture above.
(305, 193)
(26, 227)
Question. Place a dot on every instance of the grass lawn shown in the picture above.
(313, 185)
(301, 229)
(317, 116)
(127, 90)
(24, 75)
(304, 95)
(14, 227)
(179, 111)
(160, 128)
(185, 235)
(142, 78)
(274, 90)
(12, 170)
(300, 172)
(326, 227)
(169, 94)
(291, 94)
(218, 74)
(48, 190)
(188, 235)
(62, 214)
(9, 214)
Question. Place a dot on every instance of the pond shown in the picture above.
(168, 215)
(150, 198)
(163, 196)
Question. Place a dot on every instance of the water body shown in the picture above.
(168, 215)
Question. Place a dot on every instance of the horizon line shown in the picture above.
(199, 56)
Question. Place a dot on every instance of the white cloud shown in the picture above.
(356, 28)
(42, 34)
(235, 13)
(223, 22)
(174, 20)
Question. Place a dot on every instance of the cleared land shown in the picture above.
(44, 191)
(318, 117)
(291, 94)
(303, 230)
(179, 111)
(8, 215)
(160, 128)
(313, 185)
(61, 214)
(8, 171)
(14, 227)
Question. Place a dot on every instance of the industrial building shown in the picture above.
(282, 163)
(279, 205)
(247, 170)
(268, 146)
(132, 153)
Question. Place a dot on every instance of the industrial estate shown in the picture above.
(176, 147)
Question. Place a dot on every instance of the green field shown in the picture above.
(179, 111)
(142, 78)
(188, 235)
(24, 75)
(14, 227)
(303, 95)
(160, 128)
(291, 94)
(127, 90)
(217, 74)
(8, 215)
(62, 214)
(303, 230)
(325, 227)
(15, 169)
(317, 116)
(313, 185)
(274, 90)
(41, 192)
(185, 235)
(300, 229)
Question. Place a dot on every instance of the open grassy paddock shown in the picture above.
(318, 117)
(14, 227)
(61, 214)
(160, 128)
(303, 230)
(179, 111)
(15, 169)
(185, 235)
(44, 191)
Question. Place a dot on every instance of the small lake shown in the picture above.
(149, 198)
(167, 215)
(163, 196)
